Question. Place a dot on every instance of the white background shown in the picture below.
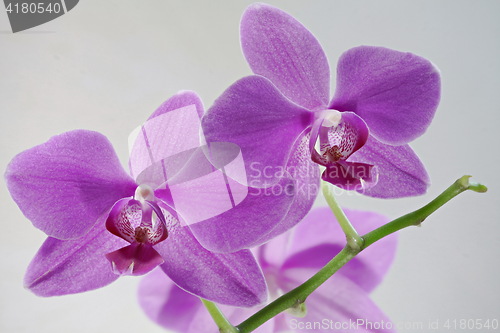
(106, 65)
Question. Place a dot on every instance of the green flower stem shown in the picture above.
(418, 216)
(222, 323)
(299, 294)
(352, 236)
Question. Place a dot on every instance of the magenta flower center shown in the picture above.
(141, 222)
(142, 234)
(338, 138)
(339, 135)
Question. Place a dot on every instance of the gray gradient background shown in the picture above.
(106, 65)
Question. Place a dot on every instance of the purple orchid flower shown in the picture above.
(288, 261)
(383, 100)
(75, 190)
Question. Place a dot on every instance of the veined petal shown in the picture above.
(253, 114)
(266, 212)
(74, 266)
(305, 173)
(280, 48)
(400, 171)
(396, 93)
(64, 185)
(174, 127)
(248, 223)
(228, 278)
(211, 181)
(342, 301)
(174, 309)
(181, 99)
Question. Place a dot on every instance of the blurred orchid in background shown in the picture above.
(383, 100)
(74, 189)
(288, 261)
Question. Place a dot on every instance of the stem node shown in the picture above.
(355, 243)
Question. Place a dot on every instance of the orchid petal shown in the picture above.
(155, 174)
(340, 301)
(68, 267)
(396, 93)
(265, 213)
(253, 114)
(166, 304)
(248, 223)
(232, 278)
(174, 309)
(181, 99)
(174, 127)
(400, 171)
(305, 173)
(65, 184)
(213, 180)
(280, 48)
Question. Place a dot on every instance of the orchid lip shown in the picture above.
(339, 135)
(134, 259)
(139, 221)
